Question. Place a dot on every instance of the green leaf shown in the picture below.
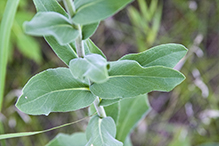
(131, 111)
(163, 55)
(101, 132)
(90, 47)
(91, 11)
(5, 31)
(65, 52)
(49, 5)
(128, 79)
(56, 25)
(113, 111)
(54, 90)
(107, 102)
(88, 30)
(76, 139)
(92, 67)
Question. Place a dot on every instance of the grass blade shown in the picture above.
(5, 31)
(21, 134)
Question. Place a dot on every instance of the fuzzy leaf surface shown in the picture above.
(76, 139)
(163, 55)
(54, 90)
(92, 67)
(90, 47)
(91, 11)
(88, 30)
(53, 5)
(128, 79)
(52, 24)
(107, 102)
(65, 52)
(113, 111)
(49, 5)
(101, 132)
(131, 111)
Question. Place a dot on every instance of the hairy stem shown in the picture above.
(69, 5)
(79, 44)
(100, 110)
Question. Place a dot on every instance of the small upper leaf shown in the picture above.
(90, 47)
(163, 55)
(52, 24)
(128, 79)
(54, 90)
(76, 139)
(92, 67)
(101, 132)
(90, 11)
(49, 5)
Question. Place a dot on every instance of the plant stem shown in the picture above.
(100, 110)
(79, 44)
(69, 5)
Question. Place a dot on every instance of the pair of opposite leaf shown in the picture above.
(52, 20)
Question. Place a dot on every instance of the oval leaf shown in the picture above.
(101, 132)
(90, 11)
(163, 55)
(65, 52)
(128, 79)
(54, 90)
(52, 24)
(92, 67)
(76, 139)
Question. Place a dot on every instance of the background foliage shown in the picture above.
(189, 115)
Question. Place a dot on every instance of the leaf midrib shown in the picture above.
(62, 90)
(55, 27)
(137, 76)
(87, 5)
(154, 60)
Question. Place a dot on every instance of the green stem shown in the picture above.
(100, 110)
(79, 44)
(69, 5)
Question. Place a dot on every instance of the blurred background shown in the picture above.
(187, 116)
